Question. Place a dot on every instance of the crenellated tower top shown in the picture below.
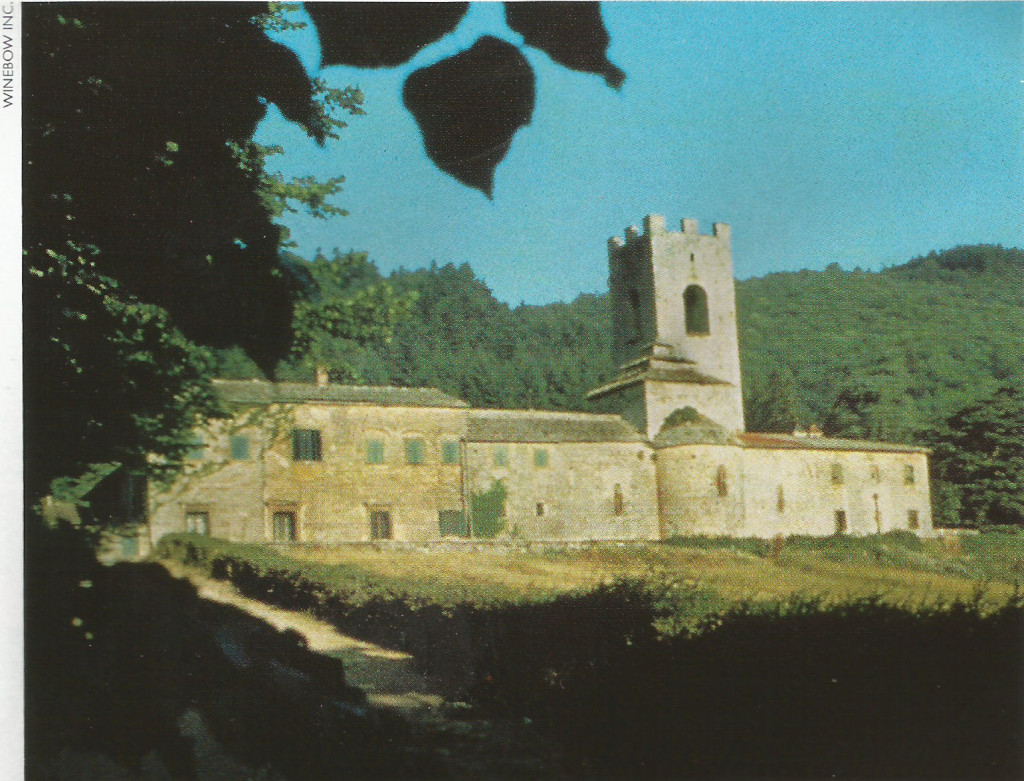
(674, 313)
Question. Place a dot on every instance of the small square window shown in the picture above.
(541, 509)
(306, 444)
(374, 451)
(837, 474)
(450, 452)
(540, 457)
(501, 455)
(415, 452)
(197, 522)
(239, 448)
(913, 521)
(908, 474)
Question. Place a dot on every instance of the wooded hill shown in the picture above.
(884, 354)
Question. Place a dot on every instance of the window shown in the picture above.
(501, 455)
(540, 457)
(722, 481)
(306, 444)
(415, 451)
(780, 502)
(452, 523)
(450, 452)
(374, 451)
(618, 500)
(635, 321)
(239, 448)
(540, 509)
(283, 526)
(876, 475)
(196, 449)
(197, 522)
(837, 474)
(695, 303)
(380, 524)
(908, 474)
(913, 523)
(840, 521)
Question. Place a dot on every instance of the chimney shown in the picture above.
(323, 377)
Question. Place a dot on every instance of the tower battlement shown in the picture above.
(655, 225)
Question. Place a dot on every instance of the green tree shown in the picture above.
(979, 453)
(771, 404)
(346, 305)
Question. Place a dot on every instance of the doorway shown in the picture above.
(380, 524)
(284, 526)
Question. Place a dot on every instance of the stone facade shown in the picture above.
(323, 463)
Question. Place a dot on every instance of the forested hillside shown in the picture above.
(878, 354)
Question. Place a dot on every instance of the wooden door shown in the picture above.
(284, 526)
(380, 525)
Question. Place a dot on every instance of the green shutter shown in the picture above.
(540, 457)
(453, 523)
(375, 451)
(306, 445)
(414, 451)
(239, 448)
(501, 455)
(450, 452)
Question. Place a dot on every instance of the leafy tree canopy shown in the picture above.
(979, 451)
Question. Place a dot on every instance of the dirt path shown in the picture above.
(449, 733)
(388, 677)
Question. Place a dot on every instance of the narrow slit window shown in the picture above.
(722, 481)
(837, 474)
(841, 522)
(618, 500)
(908, 474)
(913, 522)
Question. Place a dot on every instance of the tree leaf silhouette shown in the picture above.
(283, 80)
(469, 106)
(380, 35)
(570, 33)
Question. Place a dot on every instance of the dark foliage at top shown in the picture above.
(380, 35)
(487, 92)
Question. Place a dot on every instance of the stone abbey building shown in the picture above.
(668, 455)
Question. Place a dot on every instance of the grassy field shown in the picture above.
(899, 568)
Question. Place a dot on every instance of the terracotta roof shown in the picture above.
(492, 425)
(792, 442)
(263, 392)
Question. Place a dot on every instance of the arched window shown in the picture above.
(695, 301)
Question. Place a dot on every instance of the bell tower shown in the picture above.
(673, 326)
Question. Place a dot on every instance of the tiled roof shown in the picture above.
(793, 442)
(263, 392)
(492, 425)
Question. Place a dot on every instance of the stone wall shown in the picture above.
(567, 491)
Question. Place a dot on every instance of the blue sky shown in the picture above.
(857, 133)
